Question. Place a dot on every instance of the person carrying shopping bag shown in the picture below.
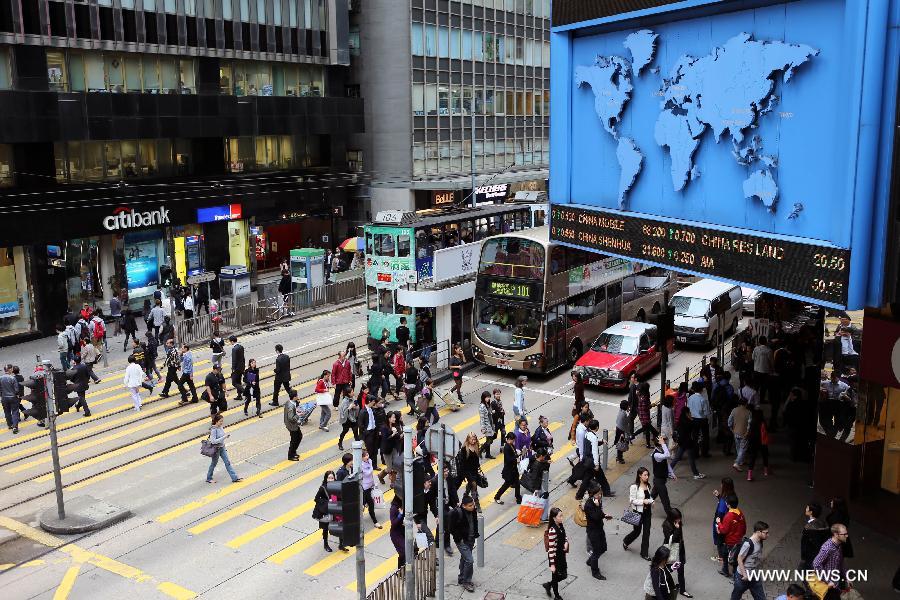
(323, 399)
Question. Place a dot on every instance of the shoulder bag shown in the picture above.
(580, 517)
(674, 550)
(631, 516)
(207, 448)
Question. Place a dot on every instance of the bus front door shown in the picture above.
(555, 354)
(613, 303)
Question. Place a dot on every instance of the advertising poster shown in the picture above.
(141, 263)
(9, 297)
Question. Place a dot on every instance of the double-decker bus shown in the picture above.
(400, 248)
(539, 305)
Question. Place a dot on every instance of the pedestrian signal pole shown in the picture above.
(360, 550)
(54, 444)
(409, 527)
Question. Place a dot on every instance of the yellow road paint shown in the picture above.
(330, 561)
(67, 583)
(389, 565)
(80, 555)
(272, 494)
(130, 447)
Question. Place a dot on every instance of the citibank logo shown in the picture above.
(127, 218)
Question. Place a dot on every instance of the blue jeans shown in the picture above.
(65, 360)
(692, 457)
(466, 563)
(741, 585)
(11, 412)
(325, 415)
(215, 459)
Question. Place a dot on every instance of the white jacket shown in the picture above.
(134, 376)
(636, 497)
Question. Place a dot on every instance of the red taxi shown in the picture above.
(625, 348)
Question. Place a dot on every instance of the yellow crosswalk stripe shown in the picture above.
(130, 447)
(389, 565)
(330, 561)
(67, 583)
(272, 494)
(143, 424)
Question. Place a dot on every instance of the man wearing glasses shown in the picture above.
(829, 562)
(749, 558)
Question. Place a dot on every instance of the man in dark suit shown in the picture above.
(238, 365)
(282, 373)
(80, 376)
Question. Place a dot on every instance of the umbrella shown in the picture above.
(353, 244)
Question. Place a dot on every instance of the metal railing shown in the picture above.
(269, 310)
(394, 585)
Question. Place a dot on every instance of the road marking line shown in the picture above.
(272, 494)
(67, 583)
(130, 447)
(332, 560)
(538, 391)
(80, 555)
(389, 565)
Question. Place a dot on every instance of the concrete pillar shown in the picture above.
(442, 325)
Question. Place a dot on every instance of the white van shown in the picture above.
(695, 322)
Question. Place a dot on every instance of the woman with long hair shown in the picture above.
(726, 489)
(578, 392)
(673, 533)
(320, 510)
(368, 484)
(557, 547)
(660, 585)
(680, 402)
(391, 444)
(323, 399)
(640, 501)
(350, 353)
(468, 461)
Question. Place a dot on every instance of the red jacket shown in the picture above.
(733, 526)
(341, 373)
(321, 386)
(399, 364)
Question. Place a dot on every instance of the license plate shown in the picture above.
(593, 381)
(503, 364)
(681, 338)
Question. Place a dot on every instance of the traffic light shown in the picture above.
(418, 498)
(665, 324)
(61, 389)
(345, 523)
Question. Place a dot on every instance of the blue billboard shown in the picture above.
(741, 143)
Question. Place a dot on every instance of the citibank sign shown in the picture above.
(128, 218)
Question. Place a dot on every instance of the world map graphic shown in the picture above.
(727, 91)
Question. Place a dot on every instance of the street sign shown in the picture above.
(201, 278)
(433, 442)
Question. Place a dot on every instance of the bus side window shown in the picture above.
(557, 260)
(369, 246)
(600, 301)
(403, 245)
(422, 244)
(372, 297)
(466, 232)
(386, 301)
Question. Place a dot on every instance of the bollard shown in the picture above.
(605, 459)
(687, 375)
(545, 494)
(481, 540)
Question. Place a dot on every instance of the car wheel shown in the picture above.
(641, 316)
(575, 352)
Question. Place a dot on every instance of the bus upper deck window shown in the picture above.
(384, 244)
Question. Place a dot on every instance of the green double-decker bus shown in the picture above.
(400, 248)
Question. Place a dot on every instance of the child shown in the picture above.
(622, 421)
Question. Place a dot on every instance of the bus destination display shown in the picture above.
(520, 291)
(807, 270)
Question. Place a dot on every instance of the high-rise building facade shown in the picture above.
(188, 134)
(452, 88)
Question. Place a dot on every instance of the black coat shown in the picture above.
(282, 368)
(459, 525)
(677, 535)
(238, 364)
(467, 464)
(510, 472)
(80, 375)
(533, 477)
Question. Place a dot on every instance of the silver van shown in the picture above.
(695, 319)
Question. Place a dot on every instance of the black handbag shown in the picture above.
(481, 479)
(321, 507)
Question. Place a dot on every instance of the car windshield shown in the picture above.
(512, 257)
(507, 326)
(690, 307)
(615, 343)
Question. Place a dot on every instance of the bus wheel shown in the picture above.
(641, 316)
(575, 351)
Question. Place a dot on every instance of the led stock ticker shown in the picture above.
(807, 270)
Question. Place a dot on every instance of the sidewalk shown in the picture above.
(516, 564)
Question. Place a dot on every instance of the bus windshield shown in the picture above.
(512, 327)
(690, 307)
(616, 344)
(512, 257)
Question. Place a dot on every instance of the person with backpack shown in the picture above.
(217, 345)
(168, 330)
(251, 387)
(83, 334)
(747, 559)
(557, 546)
(732, 528)
(63, 347)
(98, 332)
(464, 529)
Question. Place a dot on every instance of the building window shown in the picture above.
(113, 160)
(225, 79)
(263, 153)
(417, 40)
(353, 40)
(57, 77)
(5, 71)
(6, 165)
(355, 161)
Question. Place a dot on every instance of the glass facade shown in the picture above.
(16, 303)
(75, 71)
(271, 153)
(114, 160)
(480, 86)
